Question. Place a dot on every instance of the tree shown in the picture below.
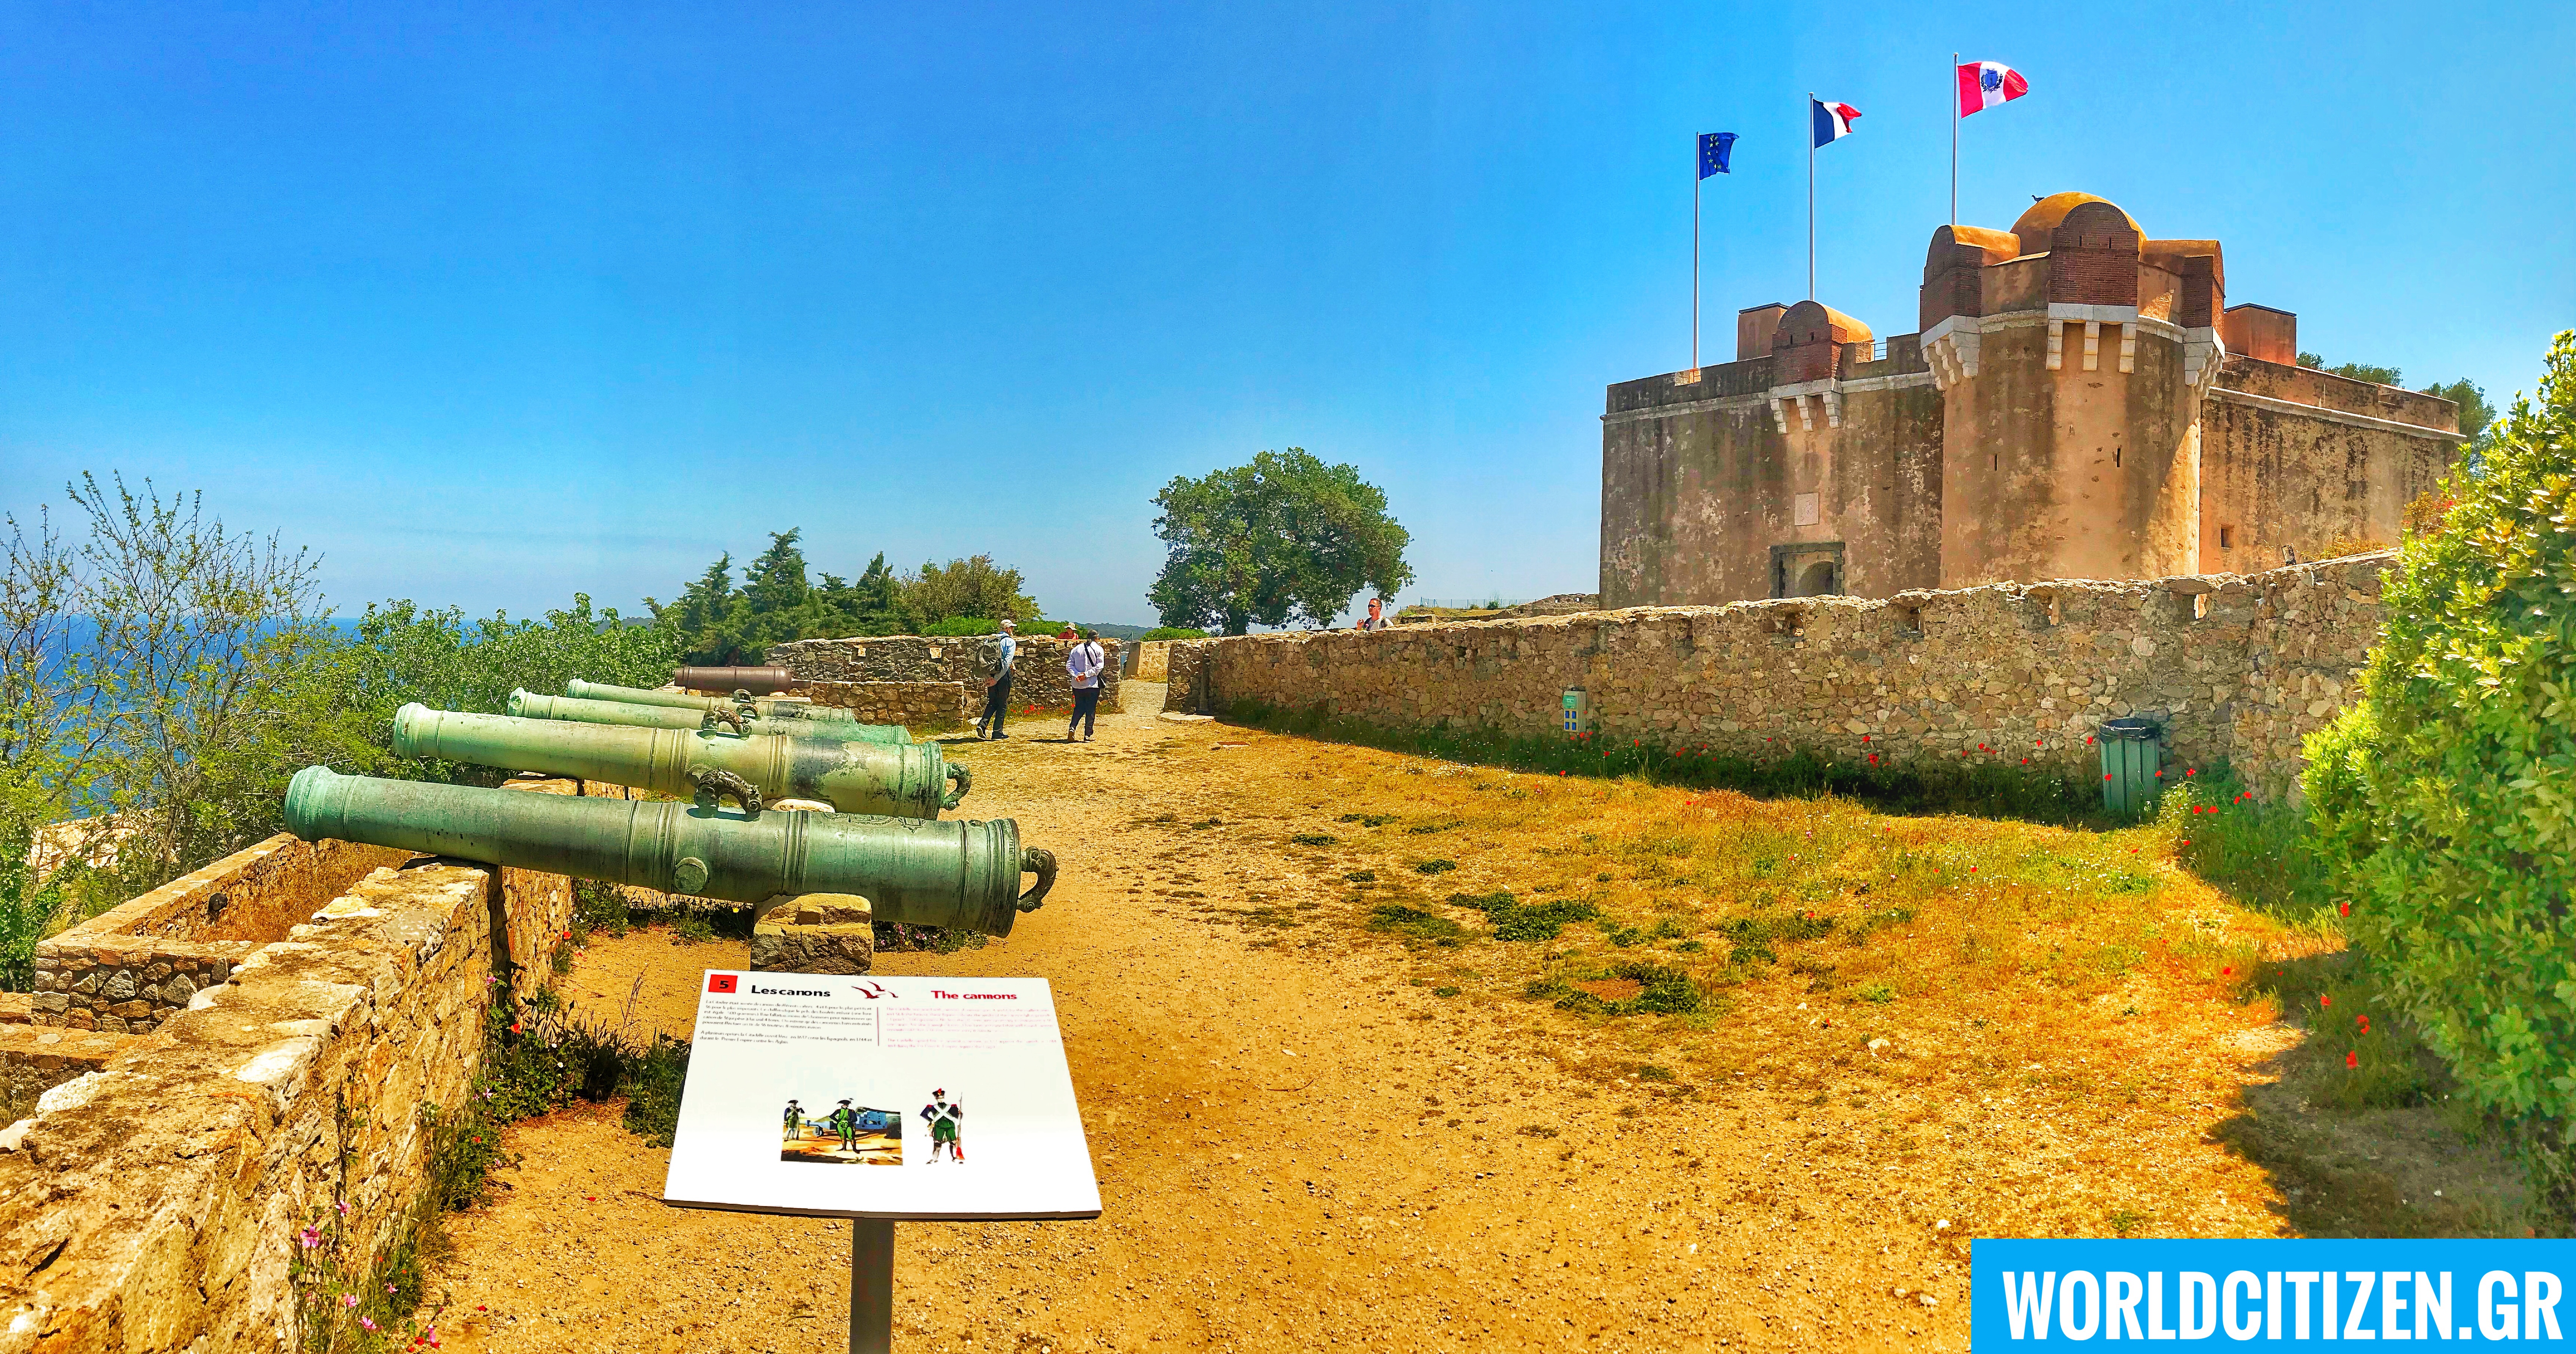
(714, 622)
(2358, 371)
(2445, 798)
(974, 586)
(1285, 537)
(2476, 415)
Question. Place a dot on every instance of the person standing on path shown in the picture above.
(1376, 619)
(1083, 664)
(997, 688)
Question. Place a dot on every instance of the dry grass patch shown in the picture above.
(2059, 1017)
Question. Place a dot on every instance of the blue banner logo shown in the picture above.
(2276, 1294)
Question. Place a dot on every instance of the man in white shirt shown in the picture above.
(1082, 664)
(997, 688)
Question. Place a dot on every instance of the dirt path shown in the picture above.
(1302, 1142)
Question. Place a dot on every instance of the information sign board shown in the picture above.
(895, 1098)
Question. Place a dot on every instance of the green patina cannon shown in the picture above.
(530, 705)
(578, 689)
(957, 874)
(900, 780)
(757, 681)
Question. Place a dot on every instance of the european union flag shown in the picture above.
(1714, 147)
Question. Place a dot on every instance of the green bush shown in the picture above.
(1170, 632)
(2445, 800)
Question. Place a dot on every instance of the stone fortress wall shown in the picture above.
(914, 705)
(2236, 666)
(1038, 676)
(154, 1178)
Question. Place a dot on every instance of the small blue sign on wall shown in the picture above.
(2273, 1294)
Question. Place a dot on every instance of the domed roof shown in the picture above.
(2040, 222)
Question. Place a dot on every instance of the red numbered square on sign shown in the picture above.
(720, 982)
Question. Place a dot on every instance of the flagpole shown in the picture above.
(1695, 183)
(1811, 195)
(1954, 141)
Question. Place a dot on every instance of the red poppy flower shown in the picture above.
(2364, 1022)
(2324, 999)
(2344, 908)
(2352, 1060)
(2106, 775)
(2190, 771)
(2227, 970)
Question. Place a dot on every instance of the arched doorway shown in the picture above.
(1818, 580)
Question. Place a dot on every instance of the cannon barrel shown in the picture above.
(757, 681)
(958, 874)
(903, 781)
(681, 700)
(530, 705)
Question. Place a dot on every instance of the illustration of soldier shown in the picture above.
(947, 1121)
(795, 1121)
(845, 1121)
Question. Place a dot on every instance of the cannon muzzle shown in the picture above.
(958, 874)
(530, 705)
(900, 780)
(681, 700)
(757, 681)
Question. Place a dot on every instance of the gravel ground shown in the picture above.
(1299, 1144)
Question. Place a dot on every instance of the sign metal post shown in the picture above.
(871, 1286)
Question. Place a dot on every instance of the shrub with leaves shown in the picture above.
(2445, 800)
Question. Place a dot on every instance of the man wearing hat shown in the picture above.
(945, 1121)
(795, 1121)
(845, 1122)
(997, 688)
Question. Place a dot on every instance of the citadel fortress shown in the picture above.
(2079, 401)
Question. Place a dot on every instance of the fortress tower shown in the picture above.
(2071, 407)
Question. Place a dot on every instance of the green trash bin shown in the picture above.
(2132, 749)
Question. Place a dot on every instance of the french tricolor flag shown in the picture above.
(1833, 120)
(1984, 84)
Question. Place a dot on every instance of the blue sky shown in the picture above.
(488, 306)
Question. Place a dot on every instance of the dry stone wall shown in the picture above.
(2240, 667)
(151, 1202)
(1038, 676)
(128, 969)
(913, 705)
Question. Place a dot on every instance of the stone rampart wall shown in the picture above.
(152, 1204)
(1038, 676)
(129, 968)
(2241, 667)
(914, 705)
(1153, 660)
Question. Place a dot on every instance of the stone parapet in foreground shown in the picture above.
(150, 1202)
